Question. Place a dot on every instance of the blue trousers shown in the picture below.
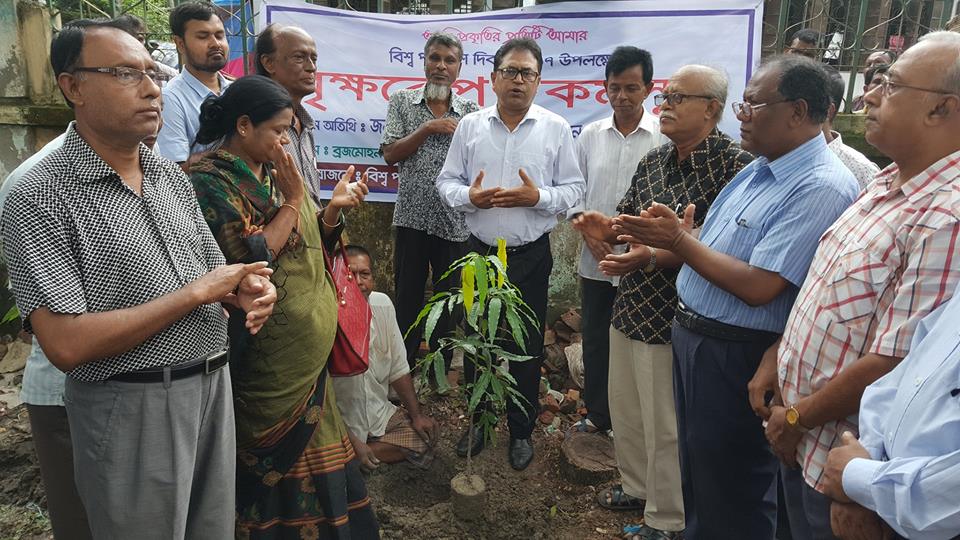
(727, 469)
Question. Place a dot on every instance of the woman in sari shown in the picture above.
(297, 475)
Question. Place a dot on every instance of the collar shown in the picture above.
(90, 167)
(837, 139)
(944, 171)
(457, 103)
(793, 162)
(303, 116)
(647, 123)
(198, 87)
(714, 142)
(534, 113)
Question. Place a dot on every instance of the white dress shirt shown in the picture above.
(362, 399)
(608, 161)
(541, 144)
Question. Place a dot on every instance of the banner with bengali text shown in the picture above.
(365, 57)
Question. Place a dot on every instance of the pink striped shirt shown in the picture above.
(888, 261)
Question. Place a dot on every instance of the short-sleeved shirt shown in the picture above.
(886, 263)
(182, 97)
(860, 165)
(42, 382)
(418, 203)
(645, 303)
(362, 399)
(771, 216)
(78, 240)
(608, 160)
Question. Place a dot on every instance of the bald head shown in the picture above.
(288, 55)
(709, 82)
(945, 48)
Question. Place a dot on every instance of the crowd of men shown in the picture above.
(766, 323)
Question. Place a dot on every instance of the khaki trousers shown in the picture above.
(644, 419)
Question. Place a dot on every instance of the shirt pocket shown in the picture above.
(856, 283)
(535, 164)
(739, 241)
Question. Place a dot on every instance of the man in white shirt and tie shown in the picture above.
(512, 169)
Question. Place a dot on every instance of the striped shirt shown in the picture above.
(608, 160)
(887, 262)
(770, 215)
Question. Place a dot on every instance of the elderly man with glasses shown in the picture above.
(884, 265)
(737, 284)
(691, 169)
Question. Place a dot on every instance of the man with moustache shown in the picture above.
(889, 261)
(737, 284)
(512, 169)
(429, 235)
(609, 151)
(149, 403)
(689, 170)
(202, 44)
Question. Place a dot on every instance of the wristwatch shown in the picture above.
(793, 418)
(652, 265)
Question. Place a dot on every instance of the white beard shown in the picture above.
(436, 92)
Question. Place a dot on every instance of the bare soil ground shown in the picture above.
(533, 504)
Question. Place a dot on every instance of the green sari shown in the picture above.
(297, 472)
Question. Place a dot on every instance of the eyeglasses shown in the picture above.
(745, 110)
(128, 76)
(528, 75)
(675, 98)
(888, 87)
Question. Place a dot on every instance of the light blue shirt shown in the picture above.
(542, 145)
(771, 215)
(42, 383)
(910, 425)
(182, 97)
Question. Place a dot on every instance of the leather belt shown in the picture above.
(210, 363)
(695, 322)
(510, 250)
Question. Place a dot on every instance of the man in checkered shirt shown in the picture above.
(887, 262)
(121, 281)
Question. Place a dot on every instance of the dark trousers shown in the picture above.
(529, 270)
(807, 508)
(51, 439)
(728, 472)
(597, 305)
(416, 253)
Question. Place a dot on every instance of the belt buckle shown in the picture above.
(212, 359)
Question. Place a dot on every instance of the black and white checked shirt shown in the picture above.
(78, 240)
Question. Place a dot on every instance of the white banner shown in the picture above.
(365, 57)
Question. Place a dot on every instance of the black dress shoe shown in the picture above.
(521, 453)
(464, 443)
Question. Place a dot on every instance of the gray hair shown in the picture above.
(951, 77)
(715, 83)
(442, 38)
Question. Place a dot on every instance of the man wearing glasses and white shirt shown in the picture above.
(512, 169)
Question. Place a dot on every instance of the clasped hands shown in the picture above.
(525, 195)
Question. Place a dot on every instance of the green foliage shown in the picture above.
(12, 314)
(494, 313)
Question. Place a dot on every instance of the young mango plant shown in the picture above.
(494, 312)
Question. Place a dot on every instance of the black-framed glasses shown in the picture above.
(745, 110)
(528, 75)
(888, 87)
(675, 98)
(128, 76)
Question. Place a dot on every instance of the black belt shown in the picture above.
(208, 364)
(510, 250)
(695, 322)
